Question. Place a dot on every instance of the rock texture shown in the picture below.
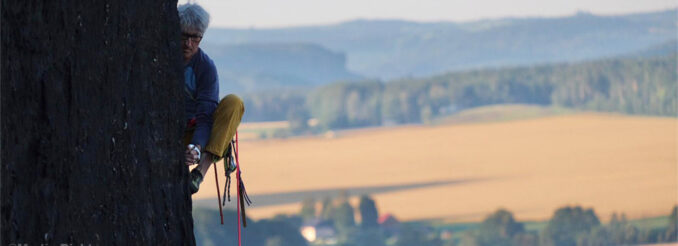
(91, 124)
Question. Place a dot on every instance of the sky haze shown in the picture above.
(276, 13)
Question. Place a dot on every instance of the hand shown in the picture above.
(192, 154)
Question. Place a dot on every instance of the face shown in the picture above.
(190, 40)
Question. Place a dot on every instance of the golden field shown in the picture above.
(531, 167)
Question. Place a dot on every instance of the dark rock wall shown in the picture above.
(91, 124)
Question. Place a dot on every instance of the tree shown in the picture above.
(369, 237)
(362, 237)
(308, 209)
(275, 232)
(298, 119)
(498, 229)
(327, 209)
(567, 223)
(469, 239)
(92, 122)
(631, 234)
(368, 212)
(672, 229)
(526, 239)
(618, 228)
(598, 236)
(651, 235)
(344, 216)
(617, 232)
(410, 235)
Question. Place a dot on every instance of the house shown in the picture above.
(319, 231)
(388, 220)
(389, 224)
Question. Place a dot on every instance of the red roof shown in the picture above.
(387, 219)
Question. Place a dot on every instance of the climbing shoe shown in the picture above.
(196, 179)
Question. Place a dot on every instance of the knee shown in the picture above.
(232, 102)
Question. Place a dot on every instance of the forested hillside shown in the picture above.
(640, 85)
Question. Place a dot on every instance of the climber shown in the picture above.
(210, 125)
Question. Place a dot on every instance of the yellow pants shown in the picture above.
(226, 119)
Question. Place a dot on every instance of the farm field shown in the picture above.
(533, 166)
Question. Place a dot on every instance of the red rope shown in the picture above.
(216, 177)
(237, 175)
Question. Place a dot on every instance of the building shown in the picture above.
(319, 231)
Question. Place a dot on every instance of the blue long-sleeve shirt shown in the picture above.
(202, 95)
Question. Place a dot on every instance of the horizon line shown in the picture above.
(440, 21)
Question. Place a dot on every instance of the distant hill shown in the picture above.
(669, 47)
(390, 49)
(633, 84)
(260, 66)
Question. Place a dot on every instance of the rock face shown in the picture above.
(91, 124)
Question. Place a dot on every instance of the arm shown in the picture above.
(207, 96)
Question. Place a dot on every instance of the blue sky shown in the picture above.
(285, 13)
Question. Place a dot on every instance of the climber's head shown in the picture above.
(194, 21)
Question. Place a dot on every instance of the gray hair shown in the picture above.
(192, 17)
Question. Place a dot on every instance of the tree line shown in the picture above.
(645, 86)
(569, 226)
